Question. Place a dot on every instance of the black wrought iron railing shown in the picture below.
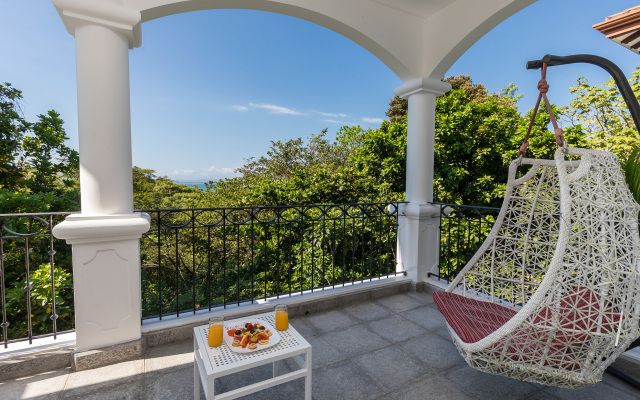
(462, 231)
(36, 286)
(202, 259)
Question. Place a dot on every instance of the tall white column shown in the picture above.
(105, 236)
(418, 230)
(104, 120)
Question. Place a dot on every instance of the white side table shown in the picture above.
(214, 362)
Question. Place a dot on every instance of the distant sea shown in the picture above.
(198, 184)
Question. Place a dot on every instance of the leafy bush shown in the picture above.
(41, 302)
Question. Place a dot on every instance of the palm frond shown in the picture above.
(632, 172)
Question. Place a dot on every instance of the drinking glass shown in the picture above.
(215, 331)
(282, 318)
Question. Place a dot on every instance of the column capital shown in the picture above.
(84, 229)
(123, 20)
(428, 85)
(419, 210)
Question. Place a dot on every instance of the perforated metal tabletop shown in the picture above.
(215, 362)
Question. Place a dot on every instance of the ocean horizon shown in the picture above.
(199, 184)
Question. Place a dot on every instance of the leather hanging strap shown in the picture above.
(543, 88)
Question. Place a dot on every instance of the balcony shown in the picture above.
(357, 277)
(374, 335)
(392, 347)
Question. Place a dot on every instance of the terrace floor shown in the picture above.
(395, 347)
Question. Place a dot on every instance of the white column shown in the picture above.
(105, 237)
(104, 120)
(418, 230)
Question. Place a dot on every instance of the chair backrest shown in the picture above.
(513, 260)
(568, 230)
(598, 283)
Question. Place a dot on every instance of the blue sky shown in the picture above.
(212, 88)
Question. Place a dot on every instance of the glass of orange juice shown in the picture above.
(214, 337)
(282, 318)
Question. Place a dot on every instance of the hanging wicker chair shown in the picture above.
(553, 294)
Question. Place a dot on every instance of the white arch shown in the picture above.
(414, 38)
(417, 39)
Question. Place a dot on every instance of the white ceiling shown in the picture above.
(414, 38)
(421, 8)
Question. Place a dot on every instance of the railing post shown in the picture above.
(105, 236)
(418, 225)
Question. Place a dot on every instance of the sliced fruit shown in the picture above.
(245, 341)
(231, 332)
(263, 336)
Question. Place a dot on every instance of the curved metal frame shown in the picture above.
(615, 72)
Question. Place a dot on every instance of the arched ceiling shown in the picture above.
(414, 38)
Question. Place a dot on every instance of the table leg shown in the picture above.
(211, 387)
(307, 378)
(275, 369)
(196, 379)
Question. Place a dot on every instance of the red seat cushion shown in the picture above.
(579, 310)
(472, 320)
(579, 315)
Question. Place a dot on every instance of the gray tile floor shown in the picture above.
(392, 348)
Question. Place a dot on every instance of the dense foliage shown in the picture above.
(600, 111)
(38, 173)
(159, 192)
(34, 158)
(198, 257)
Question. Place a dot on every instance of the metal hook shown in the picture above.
(564, 147)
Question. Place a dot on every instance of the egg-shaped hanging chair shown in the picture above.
(553, 294)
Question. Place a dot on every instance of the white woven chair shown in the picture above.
(553, 294)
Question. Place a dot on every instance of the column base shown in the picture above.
(106, 276)
(419, 240)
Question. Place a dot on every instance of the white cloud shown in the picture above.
(275, 109)
(331, 114)
(223, 170)
(182, 172)
(334, 121)
(373, 120)
(240, 108)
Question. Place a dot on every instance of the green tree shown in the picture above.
(600, 111)
(34, 160)
(472, 142)
(602, 115)
(157, 192)
(12, 130)
(379, 159)
(49, 165)
(294, 172)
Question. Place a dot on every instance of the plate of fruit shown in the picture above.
(247, 337)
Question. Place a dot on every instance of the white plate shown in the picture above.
(273, 339)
